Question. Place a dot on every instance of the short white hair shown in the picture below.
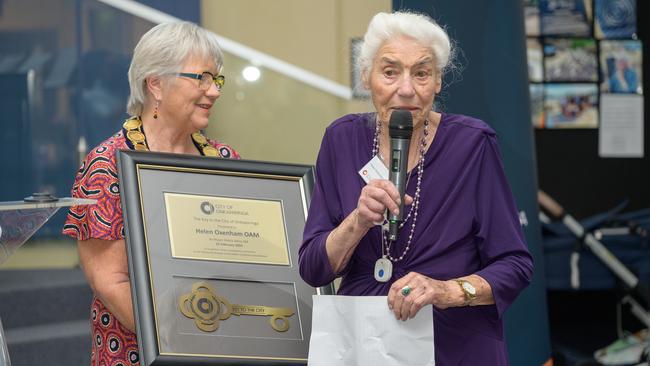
(162, 51)
(386, 26)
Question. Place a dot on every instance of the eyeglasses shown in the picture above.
(205, 79)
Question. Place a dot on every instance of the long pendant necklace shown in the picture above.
(384, 265)
(135, 134)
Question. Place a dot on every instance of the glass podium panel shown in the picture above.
(4, 353)
(19, 220)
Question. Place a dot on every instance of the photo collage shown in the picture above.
(577, 51)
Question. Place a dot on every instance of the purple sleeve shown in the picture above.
(507, 263)
(323, 217)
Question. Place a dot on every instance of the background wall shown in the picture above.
(288, 118)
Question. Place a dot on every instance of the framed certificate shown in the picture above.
(213, 256)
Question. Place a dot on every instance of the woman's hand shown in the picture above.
(105, 265)
(423, 291)
(377, 196)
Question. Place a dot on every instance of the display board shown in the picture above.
(586, 158)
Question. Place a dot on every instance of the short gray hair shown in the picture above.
(385, 26)
(162, 51)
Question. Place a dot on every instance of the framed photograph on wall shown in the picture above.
(621, 65)
(615, 19)
(531, 17)
(570, 60)
(571, 105)
(568, 18)
(356, 83)
(537, 105)
(535, 58)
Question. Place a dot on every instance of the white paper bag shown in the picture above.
(362, 331)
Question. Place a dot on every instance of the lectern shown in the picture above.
(19, 220)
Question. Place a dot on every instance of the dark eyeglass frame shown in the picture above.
(218, 80)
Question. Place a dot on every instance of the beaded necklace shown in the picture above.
(383, 267)
(135, 135)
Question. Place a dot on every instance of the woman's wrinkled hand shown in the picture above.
(422, 290)
(376, 197)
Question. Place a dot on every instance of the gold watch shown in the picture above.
(468, 289)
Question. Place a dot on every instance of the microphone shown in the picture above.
(400, 129)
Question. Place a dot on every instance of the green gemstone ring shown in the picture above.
(406, 290)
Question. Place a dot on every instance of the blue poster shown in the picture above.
(615, 18)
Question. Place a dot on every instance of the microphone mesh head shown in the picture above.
(401, 124)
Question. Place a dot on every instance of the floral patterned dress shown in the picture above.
(113, 344)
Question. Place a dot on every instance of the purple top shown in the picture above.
(467, 224)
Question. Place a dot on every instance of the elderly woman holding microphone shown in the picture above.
(460, 246)
(175, 79)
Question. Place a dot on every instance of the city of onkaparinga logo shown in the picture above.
(207, 208)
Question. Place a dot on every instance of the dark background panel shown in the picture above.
(493, 86)
(16, 156)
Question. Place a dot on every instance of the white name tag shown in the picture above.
(374, 169)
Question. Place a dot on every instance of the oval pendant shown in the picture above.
(383, 269)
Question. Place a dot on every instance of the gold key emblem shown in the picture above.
(207, 309)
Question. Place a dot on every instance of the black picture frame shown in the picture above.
(145, 177)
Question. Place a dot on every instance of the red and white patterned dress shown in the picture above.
(113, 344)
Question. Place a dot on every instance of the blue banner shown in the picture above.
(493, 86)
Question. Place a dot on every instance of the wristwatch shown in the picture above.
(468, 289)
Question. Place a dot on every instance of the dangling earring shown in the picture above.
(155, 110)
